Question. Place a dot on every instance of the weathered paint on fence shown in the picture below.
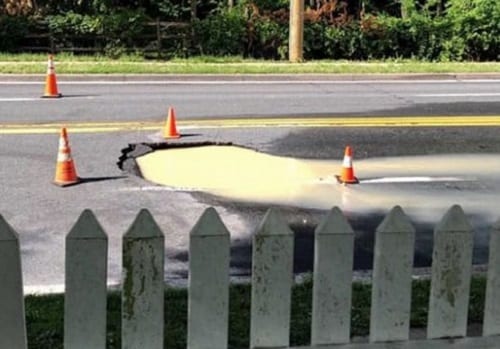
(272, 276)
(332, 290)
(451, 274)
(86, 292)
(208, 300)
(142, 294)
(391, 284)
(12, 323)
(491, 323)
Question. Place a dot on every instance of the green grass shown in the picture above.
(44, 315)
(135, 64)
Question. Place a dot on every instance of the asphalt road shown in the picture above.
(148, 101)
(43, 213)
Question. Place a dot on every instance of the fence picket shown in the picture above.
(12, 321)
(272, 279)
(491, 323)
(451, 274)
(208, 283)
(86, 292)
(142, 294)
(272, 268)
(391, 284)
(332, 290)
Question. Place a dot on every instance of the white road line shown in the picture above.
(156, 188)
(445, 95)
(413, 180)
(19, 99)
(250, 82)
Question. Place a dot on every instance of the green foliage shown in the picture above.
(44, 321)
(221, 34)
(417, 37)
(79, 6)
(372, 29)
(170, 10)
(345, 42)
(271, 5)
(117, 30)
(12, 30)
(476, 30)
(267, 38)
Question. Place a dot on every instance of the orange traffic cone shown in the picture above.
(170, 130)
(65, 169)
(347, 175)
(51, 81)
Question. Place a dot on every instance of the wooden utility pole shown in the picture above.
(296, 40)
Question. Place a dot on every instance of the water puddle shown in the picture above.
(423, 185)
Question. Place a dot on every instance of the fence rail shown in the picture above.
(272, 262)
(156, 38)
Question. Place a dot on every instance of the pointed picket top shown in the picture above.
(87, 227)
(396, 221)
(209, 224)
(454, 221)
(6, 231)
(144, 226)
(273, 224)
(334, 223)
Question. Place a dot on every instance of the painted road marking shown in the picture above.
(413, 180)
(439, 95)
(19, 99)
(278, 81)
(156, 188)
(123, 126)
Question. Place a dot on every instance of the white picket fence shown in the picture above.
(273, 246)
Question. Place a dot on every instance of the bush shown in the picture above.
(12, 30)
(113, 33)
(344, 42)
(417, 36)
(221, 34)
(476, 30)
(467, 30)
(268, 5)
(267, 38)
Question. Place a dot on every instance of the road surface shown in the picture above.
(43, 213)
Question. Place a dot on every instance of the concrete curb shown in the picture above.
(253, 77)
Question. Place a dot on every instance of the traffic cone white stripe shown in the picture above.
(347, 161)
(63, 156)
(63, 143)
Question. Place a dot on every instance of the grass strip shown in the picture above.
(44, 314)
(74, 64)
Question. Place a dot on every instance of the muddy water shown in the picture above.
(425, 186)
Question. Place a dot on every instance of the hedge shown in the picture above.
(466, 31)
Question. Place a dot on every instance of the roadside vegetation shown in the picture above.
(67, 63)
(44, 314)
(428, 30)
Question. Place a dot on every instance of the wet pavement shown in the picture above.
(248, 182)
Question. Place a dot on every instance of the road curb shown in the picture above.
(254, 77)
